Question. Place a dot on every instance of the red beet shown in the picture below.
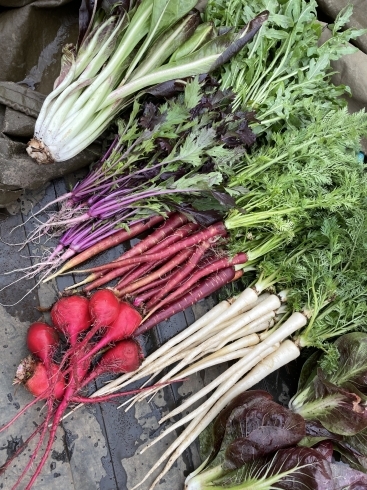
(104, 308)
(71, 316)
(123, 327)
(39, 380)
(42, 340)
(124, 357)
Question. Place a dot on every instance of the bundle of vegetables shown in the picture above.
(302, 83)
(332, 398)
(326, 295)
(171, 157)
(88, 327)
(252, 444)
(137, 45)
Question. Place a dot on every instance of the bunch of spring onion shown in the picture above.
(63, 363)
(326, 297)
(121, 54)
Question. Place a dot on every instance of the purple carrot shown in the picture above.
(206, 287)
(107, 243)
(215, 266)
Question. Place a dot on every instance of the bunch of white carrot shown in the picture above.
(245, 329)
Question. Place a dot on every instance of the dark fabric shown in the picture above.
(32, 37)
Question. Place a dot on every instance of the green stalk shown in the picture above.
(137, 29)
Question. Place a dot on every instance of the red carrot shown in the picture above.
(137, 273)
(183, 273)
(206, 287)
(147, 291)
(109, 242)
(214, 231)
(171, 264)
(240, 258)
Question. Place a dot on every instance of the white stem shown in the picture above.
(131, 38)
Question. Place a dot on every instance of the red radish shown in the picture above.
(104, 308)
(71, 316)
(39, 380)
(42, 340)
(201, 290)
(124, 357)
(124, 326)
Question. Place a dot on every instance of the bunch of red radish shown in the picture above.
(79, 320)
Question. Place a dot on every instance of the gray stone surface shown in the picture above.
(16, 123)
(18, 169)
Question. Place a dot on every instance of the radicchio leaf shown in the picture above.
(252, 426)
(265, 428)
(296, 468)
(352, 348)
(315, 475)
(347, 478)
(338, 410)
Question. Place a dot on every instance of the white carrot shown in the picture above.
(294, 322)
(270, 304)
(286, 353)
(180, 443)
